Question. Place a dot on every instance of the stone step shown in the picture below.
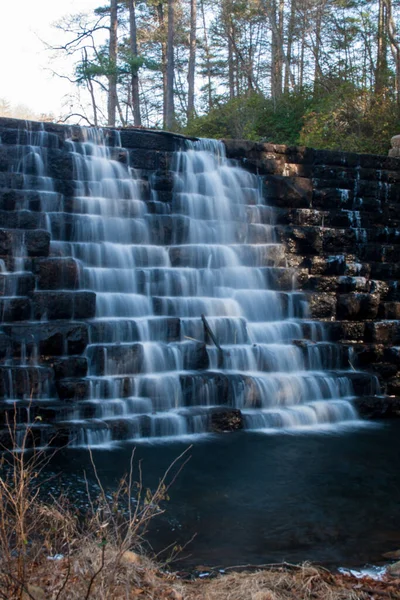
(55, 338)
(336, 284)
(163, 329)
(15, 308)
(33, 183)
(357, 306)
(55, 305)
(141, 358)
(22, 219)
(217, 256)
(351, 173)
(383, 332)
(18, 382)
(385, 270)
(36, 201)
(21, 136)
(35, 242)
(57, 273)
(323, 240)
(16, 284)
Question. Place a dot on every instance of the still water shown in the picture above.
(253, 498)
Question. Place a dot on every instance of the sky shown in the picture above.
(25, 63)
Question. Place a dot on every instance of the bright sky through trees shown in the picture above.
(25, 64)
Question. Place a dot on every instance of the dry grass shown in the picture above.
(144, 580)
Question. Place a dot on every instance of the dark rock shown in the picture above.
(357, 306)
(37, 242)
(150, 159)
(17, 383)
(288, 191)
(14, 309)
(72, 366)
(126, 359)
(378, 407)
(73, 389)
(390, 310)
(322, 306)
(301, 240)
(383, 332)
(48, 339)
(64, 305)
(228, 419)
(162, 181)
(57, 273)
(195, 356)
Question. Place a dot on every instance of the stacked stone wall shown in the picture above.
(338, 215)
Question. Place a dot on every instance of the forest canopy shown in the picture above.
(324, 73)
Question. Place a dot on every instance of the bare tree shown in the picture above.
(112, 75)
(170, 108)
(135, 98)
(192, 58)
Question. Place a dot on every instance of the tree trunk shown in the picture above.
(381, 58)
(207, 54)
(161, 23)
(112, 77)
(135, 99)
(192, 59)
(394, 45)
(290, 35)
(317, 47)
(170, 109)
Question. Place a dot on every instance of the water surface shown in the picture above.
(253, 498)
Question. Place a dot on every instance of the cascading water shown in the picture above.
(195, 307)
(221, 262)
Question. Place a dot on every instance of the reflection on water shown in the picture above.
(250, 498)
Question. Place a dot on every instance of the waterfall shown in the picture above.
(165, 275)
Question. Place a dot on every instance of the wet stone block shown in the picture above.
(150, 159)
(48, 339)
(383, 332)
(390, 310)
(14, 309)
(22, 219)
(16, 284)
(322, 305)
(60, 165)
(162, 181)
(345, 330)
(57, 273)
(25, 382)
(335, 157)
(118, 359)
(37, 242)
(64, 305)
(72, 366)
(378, 407)
(293, 192)
(150, 140)
(329, 265)
(73, 389)
(357, 306)
(301, 240)
(224, 420)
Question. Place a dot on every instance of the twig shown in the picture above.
(379, 592)
(62, 588)
(103, 550)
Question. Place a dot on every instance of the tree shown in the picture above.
(170, 77)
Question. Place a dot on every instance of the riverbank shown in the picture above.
(136, 577)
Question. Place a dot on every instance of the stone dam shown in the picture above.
(154, 286)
